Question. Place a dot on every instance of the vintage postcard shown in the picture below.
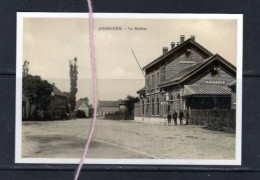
(169, 88)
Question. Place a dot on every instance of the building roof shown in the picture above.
(186, 71)
(206, 90)
(108, 103)
(234, 83)
(191, 70)
(141, 90)
(56, 91)
(81, 102)
(177, 48)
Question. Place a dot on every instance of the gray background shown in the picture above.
(251, 84)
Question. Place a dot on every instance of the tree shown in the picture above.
(80, 114)
(73, 83)
(25, 68)
(38, 92)
(91, 111)
(129, 106)
(85, 99)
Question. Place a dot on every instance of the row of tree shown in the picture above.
(38, 91)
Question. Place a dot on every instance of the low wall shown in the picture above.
(119, 115)
(115, 116)
(218, 119)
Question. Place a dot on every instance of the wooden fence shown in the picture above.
(218, 119)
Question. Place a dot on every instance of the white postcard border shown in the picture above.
(18, 106)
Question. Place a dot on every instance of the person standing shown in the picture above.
(181, 117)
(174, 116)
(169, 119)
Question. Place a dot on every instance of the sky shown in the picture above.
(49, 44)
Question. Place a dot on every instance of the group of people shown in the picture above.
(174, 117)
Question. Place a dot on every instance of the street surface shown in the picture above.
(124, 139)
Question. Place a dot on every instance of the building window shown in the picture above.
(171, 97)
(143, 107)
(158, 78)
(153, 80)
(148, 83)
(147, 106)
(188, 53)
(158, 106)
(152, 106)
(214, 72)
(178, 95)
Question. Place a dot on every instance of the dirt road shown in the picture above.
(124, 139)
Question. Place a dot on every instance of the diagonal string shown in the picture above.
(94, 78)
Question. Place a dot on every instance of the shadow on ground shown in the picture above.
(62, 146)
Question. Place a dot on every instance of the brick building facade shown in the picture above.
(187, 76)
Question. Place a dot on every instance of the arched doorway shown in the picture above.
(158, 106)
(142, 107)
(147, 106)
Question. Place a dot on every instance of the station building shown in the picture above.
(186, 77)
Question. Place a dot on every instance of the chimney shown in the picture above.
(178, 43)
(192, 37)
(182, 38)
(165, 50)
(172, 45)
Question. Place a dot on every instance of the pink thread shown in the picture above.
(93, 67)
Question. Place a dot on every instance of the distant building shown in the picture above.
(81, 104)
(59, 104)
(187, 76)
(108, 107)
(122, 105)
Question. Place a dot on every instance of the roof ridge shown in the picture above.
(175, 48)
(203, 64)
(142, 89)
(58, 91)
(188, 87)
(200, 89)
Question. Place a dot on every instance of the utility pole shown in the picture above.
(149, 87)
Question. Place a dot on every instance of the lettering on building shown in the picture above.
(214, 82)
(187, 62)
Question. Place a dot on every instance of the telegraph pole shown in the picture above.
(149, 87)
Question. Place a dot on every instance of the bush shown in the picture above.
(80, 114)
